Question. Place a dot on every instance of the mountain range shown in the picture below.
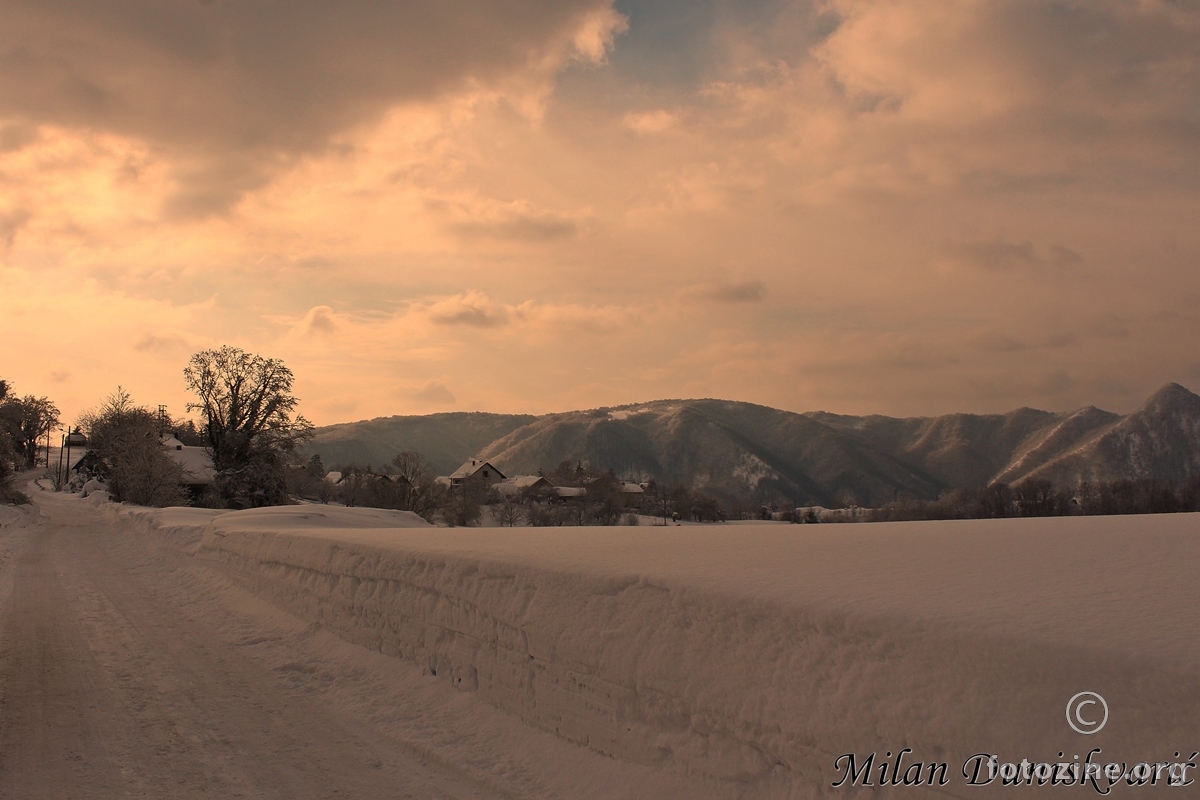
(754, 452)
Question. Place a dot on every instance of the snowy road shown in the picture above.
(106, 690)
(126, 670)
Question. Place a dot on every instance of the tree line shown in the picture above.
(1040, 498)
(24, 423)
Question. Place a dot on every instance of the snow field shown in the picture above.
(757, 655)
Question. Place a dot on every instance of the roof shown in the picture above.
(471, 467)
(527, 481)
(196, 462)
(570, 491)
(631, 488)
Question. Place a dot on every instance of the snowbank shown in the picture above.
(758, 655)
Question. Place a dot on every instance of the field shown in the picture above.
(702, 661)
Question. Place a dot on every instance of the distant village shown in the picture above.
(476, 493)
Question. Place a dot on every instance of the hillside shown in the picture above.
(446, 440)
(754, 452)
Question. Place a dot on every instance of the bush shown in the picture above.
(8, 493)
(124, 436)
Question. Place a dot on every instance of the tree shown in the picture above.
(26, 420)
(247, 407)
(509, 511)
(425, 496)
(8, 494)
(125, 437)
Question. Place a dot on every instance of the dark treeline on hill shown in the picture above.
(1040, 498)
(748, 456)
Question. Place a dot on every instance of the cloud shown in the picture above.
(10, 223)
(723, 292)
(517, 228)
(319, 321)
(434, 392)
(948, 191)
(595, 33)
(515, 221)
(14, 136)
(170, 344)
(548, 318)
(473, 309)
(1055, 382)
(650, 122)
(1000, 343)
(999, 255)
(1064, 257)
(235, 91)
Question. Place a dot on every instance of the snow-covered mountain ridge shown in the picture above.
(754, 451)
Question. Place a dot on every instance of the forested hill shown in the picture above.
(747, 450)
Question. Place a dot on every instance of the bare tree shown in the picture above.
(425, 496)
(509, 512)
(247, 406)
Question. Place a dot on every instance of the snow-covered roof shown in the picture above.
(196, 462)
(631, 488)
(471, 467)
(570, 491)
(526, 481)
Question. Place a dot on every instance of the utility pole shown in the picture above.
(67, 474)
(58, 482)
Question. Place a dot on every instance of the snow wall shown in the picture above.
(759, 655)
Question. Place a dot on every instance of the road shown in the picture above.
(129, 670)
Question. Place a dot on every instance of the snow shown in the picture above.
(755, 655)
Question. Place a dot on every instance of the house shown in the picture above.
(196, 462)
(570, 494)
(90, 465)
(476, 472)
(524, 484)
(632, 494)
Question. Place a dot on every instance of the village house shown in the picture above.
(524, 485)
(632, 494)
(476, 472)
(196, 463)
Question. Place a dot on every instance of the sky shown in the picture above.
(904, 207)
